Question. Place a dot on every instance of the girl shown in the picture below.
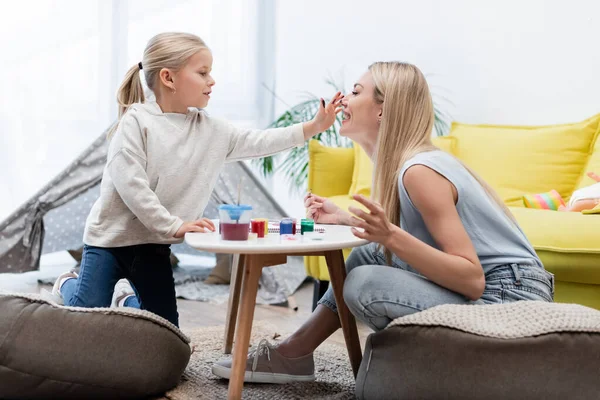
(438, 234)
(163, 161)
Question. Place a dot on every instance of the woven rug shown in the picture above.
(334, 378)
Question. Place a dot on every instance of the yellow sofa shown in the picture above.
(516, 161)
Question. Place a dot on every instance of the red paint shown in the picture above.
(258, 227)
(234, 231)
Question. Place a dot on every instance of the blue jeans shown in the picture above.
(146, 266)
(377, 293)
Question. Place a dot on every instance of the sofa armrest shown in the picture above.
(330, 169)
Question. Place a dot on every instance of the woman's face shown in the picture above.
(361, 115)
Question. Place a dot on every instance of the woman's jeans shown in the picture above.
(146, 266)
(377, 293)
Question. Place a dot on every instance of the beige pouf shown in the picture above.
(55, 352)
(523, 350)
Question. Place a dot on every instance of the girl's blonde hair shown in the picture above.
(166, 50)
(405, 130)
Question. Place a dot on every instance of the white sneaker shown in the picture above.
(122, 291)
(56, 296)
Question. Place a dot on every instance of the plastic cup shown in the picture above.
(286, 227)
(234, 221)
(307, 225)
(259, 226)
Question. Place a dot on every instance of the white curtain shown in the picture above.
(63, 60)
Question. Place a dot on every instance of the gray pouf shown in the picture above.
(523, 350)
(55, 352)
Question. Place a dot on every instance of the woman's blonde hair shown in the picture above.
(166, 50)
(405, 130)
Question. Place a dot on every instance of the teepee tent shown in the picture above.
(54, 218)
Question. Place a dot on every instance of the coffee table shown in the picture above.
(252, 256)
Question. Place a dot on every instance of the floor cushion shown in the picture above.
(522, 350)
(49, 351)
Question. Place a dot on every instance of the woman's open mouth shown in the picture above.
(345, 117)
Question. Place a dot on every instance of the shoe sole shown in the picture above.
(262, 377)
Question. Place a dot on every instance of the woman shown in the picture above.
(439, 234)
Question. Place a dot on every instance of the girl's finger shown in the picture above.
(334, 98)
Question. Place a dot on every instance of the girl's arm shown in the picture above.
(456, 265)
(246, 143)
(127, 169)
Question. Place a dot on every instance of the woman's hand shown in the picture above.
(325, 116)
(200, 225)
(323, 211)
(377, 228)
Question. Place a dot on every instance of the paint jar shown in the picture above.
(307, 225)
(266, 225)
(260, 227)
(234, 221)
(286, 226)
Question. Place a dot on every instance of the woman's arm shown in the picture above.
(456, 265)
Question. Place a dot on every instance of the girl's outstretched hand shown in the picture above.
(325, 116)
(201, 225)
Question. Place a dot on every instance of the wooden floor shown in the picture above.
(197, 314)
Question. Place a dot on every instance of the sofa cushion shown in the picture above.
(330, 169)
(362, 175)
(520, 160)
(555, 234)
(50, 351)
(521, 350)
(593, 165)
(446, 143)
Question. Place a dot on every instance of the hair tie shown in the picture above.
(140, 65)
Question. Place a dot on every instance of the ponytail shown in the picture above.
(130, 92)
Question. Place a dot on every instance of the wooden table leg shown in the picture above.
(337, 275)
(252, 272)
(237, 271)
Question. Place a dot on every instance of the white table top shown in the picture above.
(336, 237)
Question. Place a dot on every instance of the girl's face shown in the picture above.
(193, 83)
(362, 114)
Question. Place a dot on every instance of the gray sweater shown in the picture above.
(162, 167)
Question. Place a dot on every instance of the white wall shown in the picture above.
(507, 62)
